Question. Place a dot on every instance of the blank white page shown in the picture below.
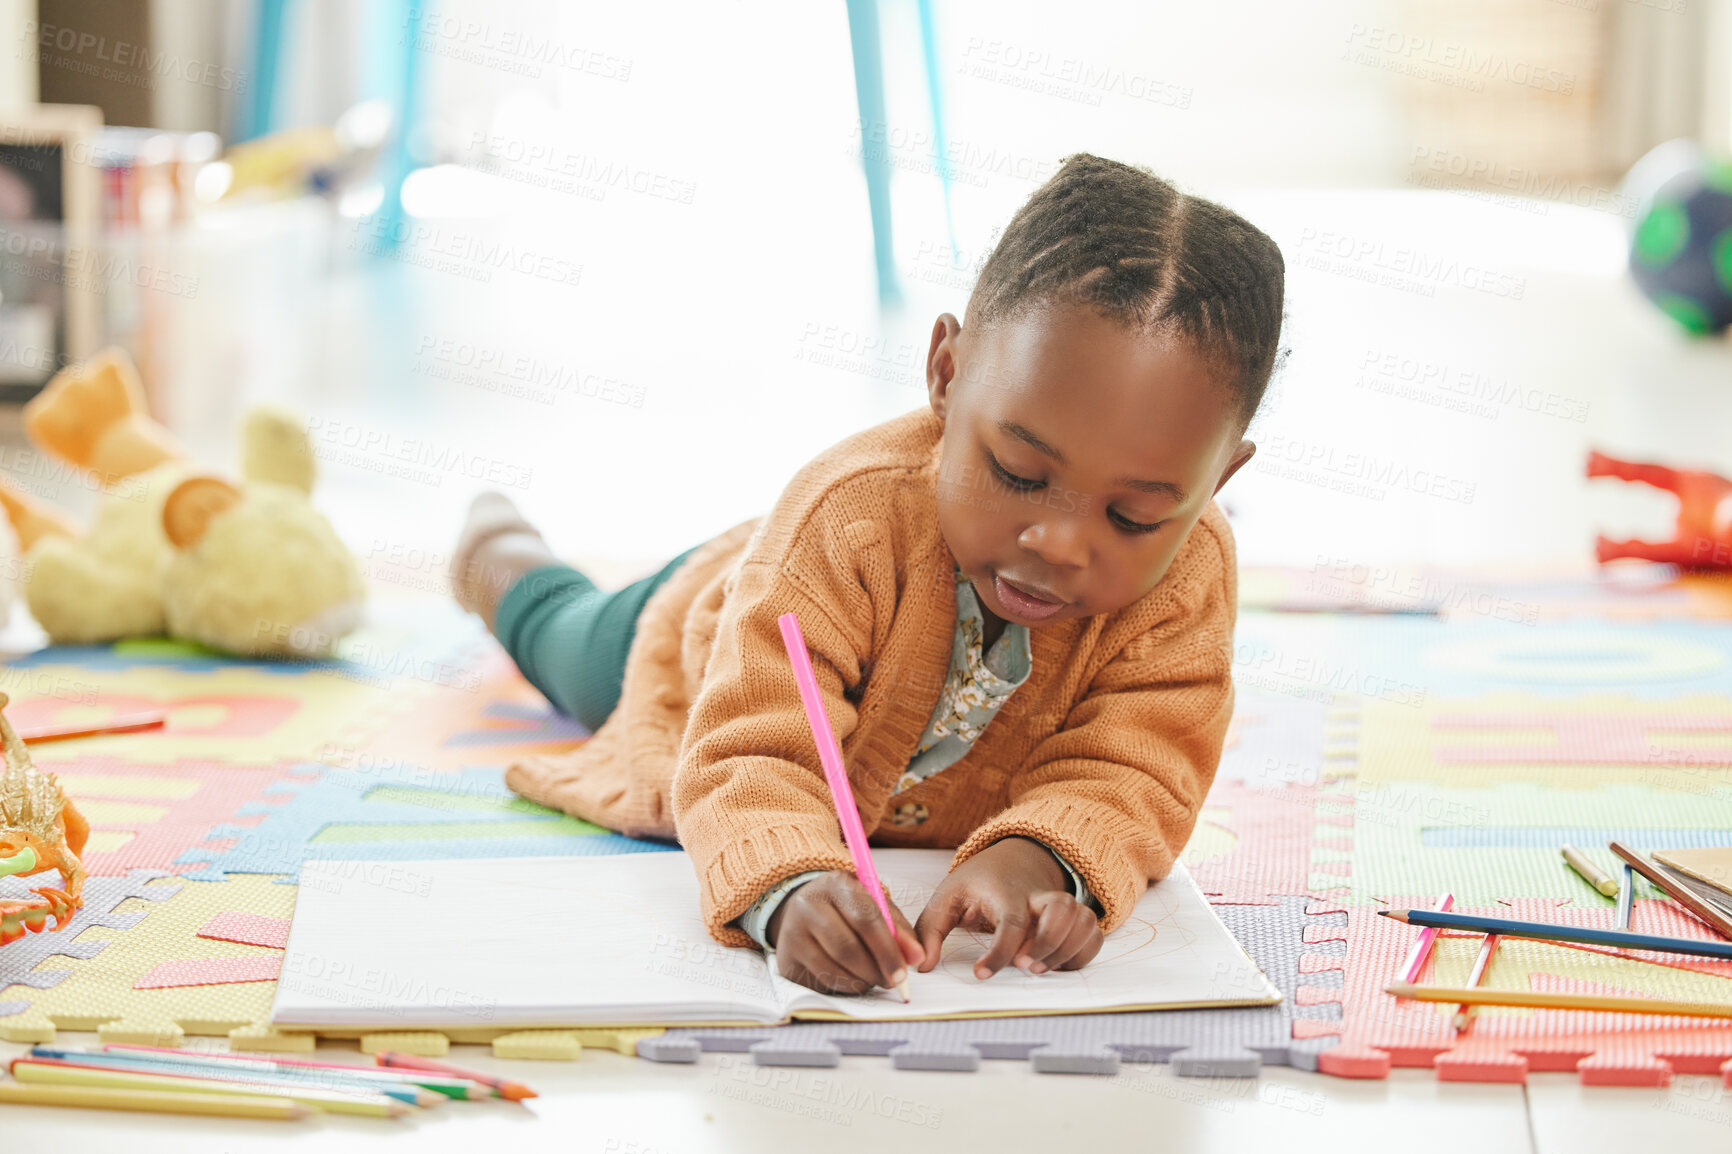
(516, 942)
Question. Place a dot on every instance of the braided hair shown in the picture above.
(1121, 239)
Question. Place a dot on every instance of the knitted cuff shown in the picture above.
(756, 920)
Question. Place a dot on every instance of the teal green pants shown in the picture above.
(570, 640)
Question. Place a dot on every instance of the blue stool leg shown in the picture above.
(935, 94)
(869, 92)
(258, 115)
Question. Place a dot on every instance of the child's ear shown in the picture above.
(1243, 453)
(941, 363)
(188, 512)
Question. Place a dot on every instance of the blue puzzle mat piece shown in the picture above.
(284, 838)
(18, 960)
(1230, 1042)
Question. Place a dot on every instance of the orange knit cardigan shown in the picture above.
(1104, 753)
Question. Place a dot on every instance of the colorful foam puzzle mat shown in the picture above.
(1372, 760)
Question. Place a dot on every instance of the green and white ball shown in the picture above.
(1681, 246)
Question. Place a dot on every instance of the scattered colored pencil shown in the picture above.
(1718, 921)
(1547, 931)
(1590, 873)
(1410, 969)
(1626, 897)
(501, 1087)
(835, 773)
(1481, 996)
(450, 1086)
(153, 1101)
(128, 723)
(290, 1080)
(32, 1072)
(1487, 947)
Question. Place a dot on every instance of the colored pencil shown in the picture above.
(835, 773)
(407, 1093)
(1421, 950)
(1626, 897)
(1548, 931)
(35, 1072)
(449, 1086)
(1590, 873)
(129, 723)
(153, 1101)
(1718, 921)
(1480, 996)
(501, 1087)
(1487, 947)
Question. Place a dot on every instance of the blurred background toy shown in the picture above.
(1704, 537)
(1681, 246)
(40, 830)
(251, 569)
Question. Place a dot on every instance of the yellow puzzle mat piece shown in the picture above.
(1580, 741)
(98, 994)
(1518, 959)
(237, 715)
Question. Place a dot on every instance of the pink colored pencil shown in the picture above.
(835, 774)
(1422, 948)
(1465, 1012)
(127, 723)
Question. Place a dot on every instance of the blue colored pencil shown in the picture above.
(1548, 931)
(1626, 897)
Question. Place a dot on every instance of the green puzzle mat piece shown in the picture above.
(1419, 837)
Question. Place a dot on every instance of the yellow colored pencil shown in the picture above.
(152, 1101)
(1606, 1003)
(330, 1101)
(1590, 873)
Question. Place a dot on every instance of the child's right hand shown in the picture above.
(829, 935)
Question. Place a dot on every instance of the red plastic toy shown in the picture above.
(1704, 538)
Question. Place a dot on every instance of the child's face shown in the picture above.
(1076, 456)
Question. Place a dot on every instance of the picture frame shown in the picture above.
(51, 284)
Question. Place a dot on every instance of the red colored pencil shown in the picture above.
(502, 1088)
(129, 723)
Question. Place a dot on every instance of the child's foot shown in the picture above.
(494, 549)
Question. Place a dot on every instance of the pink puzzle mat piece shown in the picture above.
(1588, 738)
(1378, 1031)
(209, 972)
(237, 715)
(1276, 830)
(486, 723)
(192, 797)
(247, 929)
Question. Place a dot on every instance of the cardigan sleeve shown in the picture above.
(1116, 790)
(749, 798)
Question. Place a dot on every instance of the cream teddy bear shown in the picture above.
(253, 570)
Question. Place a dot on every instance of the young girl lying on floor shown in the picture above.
(1019, 600)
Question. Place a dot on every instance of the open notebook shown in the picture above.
(551, 942)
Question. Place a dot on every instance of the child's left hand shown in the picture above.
(1017, 891)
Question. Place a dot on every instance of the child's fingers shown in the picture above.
(1081, 946)
(1007, 940)
(858, 938)
(816, 970)
(1055, 916)
(936, 921)
(906, 940)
